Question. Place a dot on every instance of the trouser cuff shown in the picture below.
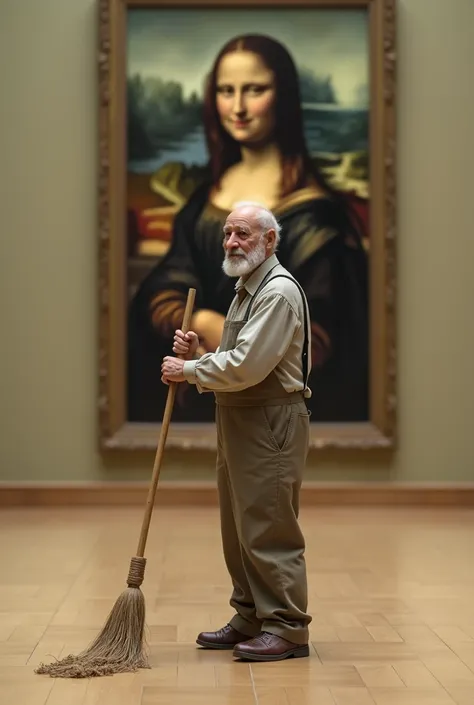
(243, 626)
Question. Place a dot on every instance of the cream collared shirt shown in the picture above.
(272, 338)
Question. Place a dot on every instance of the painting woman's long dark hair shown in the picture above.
(224, 150)
(297, 165)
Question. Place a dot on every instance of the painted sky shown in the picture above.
(181, 44)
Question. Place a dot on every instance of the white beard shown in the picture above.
(239, 264)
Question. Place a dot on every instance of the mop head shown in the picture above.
(120, 646)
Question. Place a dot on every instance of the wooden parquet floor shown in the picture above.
(391, 594)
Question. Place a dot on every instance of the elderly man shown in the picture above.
(259, 378)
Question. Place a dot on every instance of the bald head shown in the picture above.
(262, 217)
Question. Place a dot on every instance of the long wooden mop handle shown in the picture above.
(163, 435)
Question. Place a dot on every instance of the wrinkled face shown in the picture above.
(246, 97)
(246, 245)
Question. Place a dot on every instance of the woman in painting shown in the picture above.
(254, 130)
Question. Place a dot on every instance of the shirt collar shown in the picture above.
(257, 276)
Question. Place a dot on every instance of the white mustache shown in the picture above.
(238, 251)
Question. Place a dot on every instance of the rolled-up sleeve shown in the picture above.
(260, 345)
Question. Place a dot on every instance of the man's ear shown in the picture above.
(271, 238)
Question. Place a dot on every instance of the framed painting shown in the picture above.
(205, 103)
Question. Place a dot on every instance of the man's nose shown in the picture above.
(232, 242)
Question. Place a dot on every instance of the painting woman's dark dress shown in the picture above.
(318, 246)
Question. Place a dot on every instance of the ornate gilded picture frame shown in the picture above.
(167, 146)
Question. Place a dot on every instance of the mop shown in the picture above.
(120, 646)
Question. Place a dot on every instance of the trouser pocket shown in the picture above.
(279, 421)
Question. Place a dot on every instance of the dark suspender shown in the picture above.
(304, 356)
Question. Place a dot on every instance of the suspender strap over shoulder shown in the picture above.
(304, 355)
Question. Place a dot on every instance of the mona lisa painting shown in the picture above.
(203, 105)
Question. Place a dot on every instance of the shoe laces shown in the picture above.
(266, 637)
(224, 631)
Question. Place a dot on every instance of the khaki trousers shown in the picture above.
(260, 462)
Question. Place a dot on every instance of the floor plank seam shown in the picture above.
(254, 689)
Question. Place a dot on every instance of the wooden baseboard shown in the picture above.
(205, 494)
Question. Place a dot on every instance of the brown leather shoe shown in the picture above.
(270, 647)
(225, 638)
